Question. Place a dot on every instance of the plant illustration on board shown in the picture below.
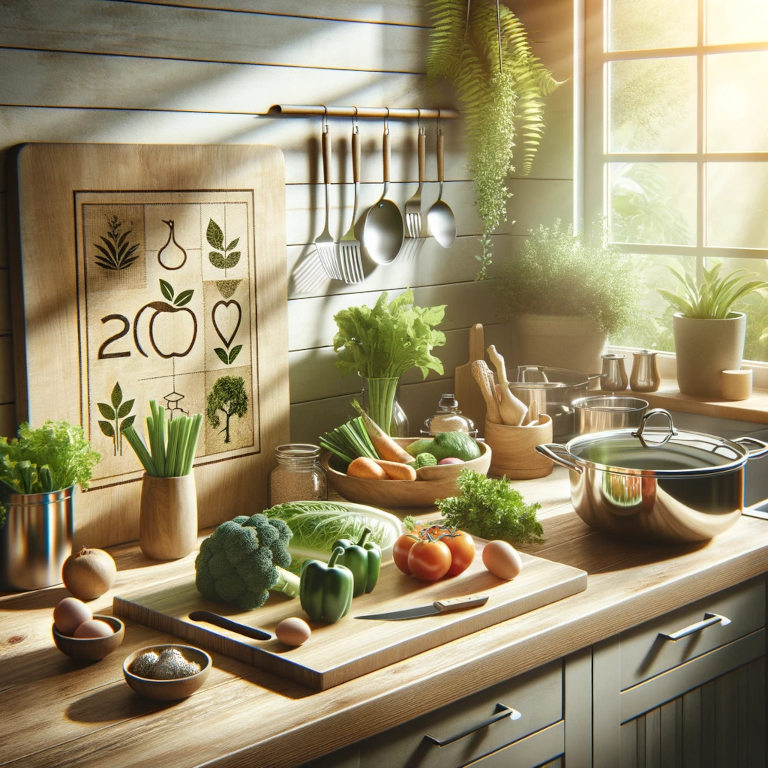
(223, 257)
(117, 252)
(228, 395)
(117, 416)
(482, 49)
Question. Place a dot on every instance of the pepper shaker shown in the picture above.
(645, 372)
(613, 377)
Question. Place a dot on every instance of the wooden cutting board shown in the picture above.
(352, 647)
(465, 389)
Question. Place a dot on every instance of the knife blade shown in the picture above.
(432, 609)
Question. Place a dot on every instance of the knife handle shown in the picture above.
(460, 603)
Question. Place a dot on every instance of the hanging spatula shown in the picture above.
(349, 246)
(324, 242)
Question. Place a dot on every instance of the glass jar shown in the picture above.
(298, 475)
(448, 418)
(379, 399)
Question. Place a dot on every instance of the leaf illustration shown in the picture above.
(234, 352)
(106, 428)
(167, 289)
(127, 422)
(106, 410)
(217, 259)
(125, 409)
(214, 235)
(227, 288)
(183, 298)
(232, 244)
(116, 396)
(222, 355)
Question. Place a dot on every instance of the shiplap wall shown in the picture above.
(207, 71)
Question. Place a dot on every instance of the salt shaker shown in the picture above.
(613, 377)
(298, 475)
(645, 372)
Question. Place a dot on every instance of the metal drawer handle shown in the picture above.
(708, 620)
(501, 712)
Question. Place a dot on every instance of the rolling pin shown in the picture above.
(513, 410)
(483, 376)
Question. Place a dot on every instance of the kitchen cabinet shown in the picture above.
(686, 689)
(531, 720)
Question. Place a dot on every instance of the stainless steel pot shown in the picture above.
(549, 390)
(601, 412)
(657, 483)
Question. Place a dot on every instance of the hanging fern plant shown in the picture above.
(482, 49)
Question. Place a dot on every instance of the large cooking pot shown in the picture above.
(549, 390)
(656, 483)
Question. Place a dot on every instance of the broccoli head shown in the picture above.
(245, 558)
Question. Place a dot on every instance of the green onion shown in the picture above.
(349, 441)
(171, 451)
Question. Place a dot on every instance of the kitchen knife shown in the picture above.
(233, 626)
(433, 609)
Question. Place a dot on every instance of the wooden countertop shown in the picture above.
(58, 714)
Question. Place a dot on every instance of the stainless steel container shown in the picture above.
(552, 391)
(36, 538)
(601, 412)
(657, 484)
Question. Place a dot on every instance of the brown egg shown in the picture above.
(69, 614)
(93, 628)
(502, 559)
(293, 631)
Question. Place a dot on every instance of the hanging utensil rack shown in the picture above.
(393, 113)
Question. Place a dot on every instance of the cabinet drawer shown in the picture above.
(646, 652)
(537, 696)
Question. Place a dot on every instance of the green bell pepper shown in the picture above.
(363, 559)
(325, 591)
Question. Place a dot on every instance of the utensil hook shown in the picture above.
(324, 122)
(355, 122)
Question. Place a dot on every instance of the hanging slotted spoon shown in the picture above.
(324, 242)
(349, 245)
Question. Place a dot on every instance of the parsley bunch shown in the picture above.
(388, 339)
(491, 509)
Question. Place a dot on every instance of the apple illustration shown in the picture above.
(168, 324)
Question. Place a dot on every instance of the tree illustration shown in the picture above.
(228, 396)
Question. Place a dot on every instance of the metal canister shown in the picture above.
(645, 372)
(613, 377)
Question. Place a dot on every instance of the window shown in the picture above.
(676, 144)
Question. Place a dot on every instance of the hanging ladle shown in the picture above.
(440, 218)
(383, 229)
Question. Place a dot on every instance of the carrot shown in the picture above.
(362, 466)
(396, 470)
(385, 446)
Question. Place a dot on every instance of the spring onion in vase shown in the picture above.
(171, 445)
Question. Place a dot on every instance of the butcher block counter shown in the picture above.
(55, 713)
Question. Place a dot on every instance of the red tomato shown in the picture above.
(429, 560)
(401, 550)
(462, 547)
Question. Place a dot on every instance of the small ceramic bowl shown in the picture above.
(91, 648)
(175, 688)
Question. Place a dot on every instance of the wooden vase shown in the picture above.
(168, 516)
(514, 453)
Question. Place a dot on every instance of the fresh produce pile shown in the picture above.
(360, 448)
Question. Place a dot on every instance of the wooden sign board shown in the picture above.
(155, 273)
(352, 647)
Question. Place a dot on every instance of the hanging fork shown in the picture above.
(413, 205)
(349, 245)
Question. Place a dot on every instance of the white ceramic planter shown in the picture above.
(704, 347)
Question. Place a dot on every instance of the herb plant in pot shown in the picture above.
(382, 342)
(708, 332)
(168, 508)
(566, 295)
(39, 471)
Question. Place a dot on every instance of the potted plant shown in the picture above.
(708, 332)
(482, 50)
(567, 294)
(39, 470)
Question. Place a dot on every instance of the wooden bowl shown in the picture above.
(91, 648)
(172, 689)
(433, 483)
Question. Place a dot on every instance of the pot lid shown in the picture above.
(659, 451)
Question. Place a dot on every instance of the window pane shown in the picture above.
(736, 106)
(737, 205)
(736, 21)
(642, 24)
(652, 105)
(652, 203)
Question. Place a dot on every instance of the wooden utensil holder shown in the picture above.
(513, 449)
(168, 516)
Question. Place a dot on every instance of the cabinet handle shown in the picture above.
(501, 712)
(708, 620)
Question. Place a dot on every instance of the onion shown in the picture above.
(89, 573)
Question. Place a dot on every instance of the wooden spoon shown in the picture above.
(513, 410)
(483, 375)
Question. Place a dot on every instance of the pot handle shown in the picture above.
(761, 450)
(670, 433)
(560, 455)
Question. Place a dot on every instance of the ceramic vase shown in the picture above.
(168, 516)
